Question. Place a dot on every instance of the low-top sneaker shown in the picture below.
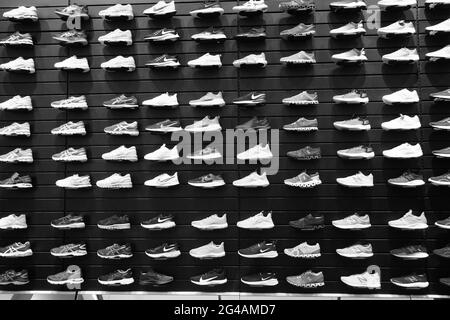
(116, 181)
(364, 280)
(73, 64)
(258, 152)
(410, 252)
(163, 153)
(72, 38)
(264, 249)
(307, 279)
(309, 222)
(207, 181)
(13, 222)
(207, 153)
(162, 100)
(441, 180)
(401, 56)
(74, 182)
(396, 4)
(260, 221)
(69, 221)
(347, 5)
(252, 60)
(211, 34)
(409, 221)
(22, 14)
(163, 35)
(205, 125)
(16, 181)
(353, 56)
(18, 39)
(442, 27)
(208, 9)
(16, 129)
(443, 252)
(16, 250)
(303, 98)
(262, 279)
(255, 33)
(400, 28)
(73, 11)
(117, 12)
(71, 103)
(355, 221)
(71, 276)
(253, 180)
(441, 95)
(358, 152)
(163, 180)
(358, 180)
(210, 99)
(117, 278)
(306, 153)
(404, 151)
(161, 9)
(164, 61)
(115, 251)
(162, 221)
(251, 99)
(121, 153)
(208, 251)
(69, 250)
(443, 124)
(353, 97)
(71, 155)
(251, 7)
(413, 281)
(302, 124)
(300, 31)
(254, 124)
(303, 250)
(403, 122)
(117, 38)
(206, 61)
(354, 124)
(301, 57)
(153, 278)
(442, 153)
(17, 155)
(19, 65)
(70, 128)
(212, 222)
(119, 63)
(123, 128)
(211, 278)
(165, 126)
(164, 251)
(115, 222)
(17, 103)
(408, 179)
(304, 180)
(297, 6)
(351, 29)
(356, 251)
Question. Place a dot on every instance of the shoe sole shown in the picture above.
(270, 255)
(117, 42)
(313, 228)
(71, 159)
(18, 254)
(123, 226)
(356, 156)
(121, 106)
(208, 185)
(411, 184)
(295, 36)
(360, 256)
(352, 128)
(69, 255)
(70, 133)
(121, 282)
(347, 36)
(79, 225)
(417, 285)
(304, 103)
(205, 129)
(251, 186)
(14, 227)
(442, 226)
(305, 185)
(160, 226)
(411, 227)
(215, 227)
(208, 66)
(210, 283)
(130, 159)
(17, 186)
(302, 129)
(209, 256)
(80, 70)
(262, 283)
(414, 256)
(305, 256)
(161, 16)
(18, 160)
(297, 62)
(116, 186)
(123, 133)
(70, 281)
(208, 157)
(116, 257)
(305, 158)
(15, 283)
(353, 227)
(119, 69)
(164, 256)
(307, 285)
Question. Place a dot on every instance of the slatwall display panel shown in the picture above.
(46, 202)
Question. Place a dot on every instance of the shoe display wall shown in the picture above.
(363, 120)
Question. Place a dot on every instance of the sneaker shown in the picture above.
(258, 152)
(307, 279)
(19, 65)
(262, 279)
(353, 56)
(442, 27)
(163, 35)
(301, 57)
(251, 99)
(121, 153)
(410, 252)
(73, 11)
(22, 14)
(403, 122)
(18, 39)
(445, 281)
(123, 128)
(13, 222)
(253, 180)
(443, 252)
(115, 222)
(70, 128)
(119, 63)
(306, 153)
(408, 179)
(72, 38)
(17, 103)
(164, 61)
(441, 180)
(254, 124)
(153, 278)
(164, 251)
(396, 4)
(211, 34)
(435, 4)
(208, 251)
(208, 181)
(265, 249)
(409, 221)
(364, 280)
(115, 251)
(161, 9)
(16, 181)
(13, 277)
(16, 250)
(72, 275)
(118, 277)
(303, 250)
(348, 5)
(73, 64)
(355, 221)
(17, 155)
(442, 153)
(401, 56)
(160, 222)
(253, 60)
(302, 124)
(16, 129)
(358, 152)
(204, 125)
(163, 100)
(71, 155)
(209, 100)
(353, 97)
(117, 38)
(206, 60)
(443, 124)
(71, 103)
(163, 154)
(251, 6)
(303, 98)
(309, 223)
(74, 182)
(354, 124)
(300, 31)
(413, 281)
(441, 95)
(304, 180)
(117, 12)
(163, 180)
(297, 6)
(404, 151)
(255, 33)
(165, 126)
(70, 221)
(351, 29)
(397, 29)
(69, 250)
(211, 278)
(260, 221)
(212, 222)
(358, 180)
(116, 181)
(209, 8)
(356, 251)
(444, 224)
(207, 153)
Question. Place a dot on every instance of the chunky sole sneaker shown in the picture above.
(115, 257)
(304, 255)
(299, 102)
(409, 184)
(210, 283)
(78, 253)
(119, 282)
(17, 186)
(309, 228)
(160, 226)
(351, 155)
(121, 226)
(75, 225)
(14, 282)
(250, 102)
(71, 132)
(351, 101)
(67, 281)
(19, 159)
(207, 185)
(14, 227)
(357, 127)
(268, 254)
(252, 185)
(305, 158)
(305, 285)
(17, 254)
(302, 129)
(261, 283)
(164, 255)
(360, 286)
(207, 13)
(308, 184)
(414, 256)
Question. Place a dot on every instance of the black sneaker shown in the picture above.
(165, 126)
(72, 38)
(160, 222)
(251, 99)
(256, 33)
(122, 102)
(117, 278)
(309, 223)
(116, 251)
(265, 249)
(262, 279)
(164, 61)
(209, 9)
(18, 39)
(211, 278)
(115, 222)
(16, 182)
(164, 251)
(16, 278)
(153, 278)
(70, 221)
(73, 11)
(254, 124)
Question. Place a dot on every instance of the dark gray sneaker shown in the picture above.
(256, 33)
(254, 124)
(408, 180)
(207, 181)
(307, 279)
(122, 102)
(444, 224)
(165, 126)
(306, 153)
(300, 31)
(153, 278)
(302, 124)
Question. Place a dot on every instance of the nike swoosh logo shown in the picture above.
(166, 32)
(206, 280)
(167, 249)
(265, 250)
(264, 279)
(163, 220)
(257, 96)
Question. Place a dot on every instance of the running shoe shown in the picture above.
(71, 103)
(403, 122)
(412, 252)
(399, 28)
(262, 279)
(22, 14)
(351, 29)
(18, 39)
(206, 61)
(164, 251)
(13, 222)
(306, 153)
(260, 221)
(210, 99)
(364, 280)
(163, 153)
(164, 61)
(441, 95)
(356, 251)
(16, 250)
(12, 277)
(304, 180)
(413, 281)
(253, 180)
(347, 5)
(74, 182)
(153, 278)
(163, 35)
(121, 153)
(162, 100)
(254, 124)
(116, 181)
(302, 124)
(356, 123)
(304, 250)
(441, 180)
(212, 222)
(117, 278)
(69, 129)
(19, 65)
(117, 38)
(211, 34)
(161, 9)
(409, 221)
(251, 60)
(358, 180)
(17, 103)
(72, 38)
(123, 128)
(74, 64)
(17, 155)
(309, 223)
(401, 56)
(165, 126)
(256, 153)
(298, 32)
(71, 276)
(307, 279)
(353, 56)
(115, 222)
(69, 250)
(162, 221)
(207, 153)
(355, 221)
(208, 181)
(264, 249)
(252, 34)
(251, 7)
(16, 181)
(408, 179)
(208, 251)
(163, 180)
(443, 124)
(16, 129)
(115, 251)
(71, 155)
(119, 63)
(251, 99)
(73, 11)
(117, 12)
(211, 278)
(299, 58)
(303, 98)
(404, 151)
(353, 97)
(297, 6)
(204, 125)
(70, 221)
(209, 8)
(358, 152)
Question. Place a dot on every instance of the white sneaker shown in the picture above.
(17, 155)
(161, 8)
(207, 153)
(303, 250)
(357, 180)
(251, 60)
(70, 128)
(73, 64)
(251, 6)
(116, 181)
(163, 100)
(209, 100)
(409, 221)
(364, 280)
(118, 11)
(208, 251)
(356, 251)
(71, 155)
(117, 37)
(403, 96)
(443, 53)
(13, 222)
(444, 26)
(16, 129)
(123, 128)
(204, 125)
(260, 221)
(119, 63)
(163, 154)
(352, 56)
(348, 4)
(213, 222)
(399, 28)
(396, 4)
(22, 13)
(253, 180)
(403, 122)
(348, 30)
(20, 65)
(17, 103)
(206, 60)
(257, 152)
(163, 181)
(74, 182)
(404, 151)
(403, 55)
(355, 221)
(71, 103)
(121, 153)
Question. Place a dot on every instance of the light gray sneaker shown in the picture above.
(307, 279)
(302, 124)
(304, 180)
(304, 250)
(123, 128)
(301, 57)
(17, 155)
